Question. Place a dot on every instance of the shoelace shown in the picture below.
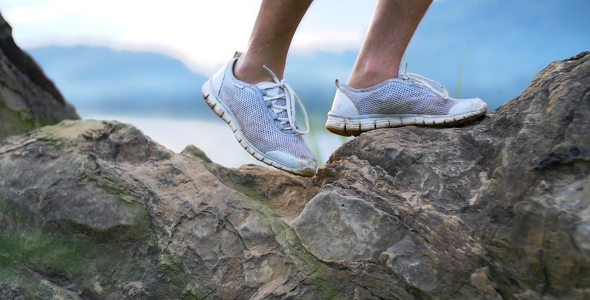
(290, 99)
(423, 81)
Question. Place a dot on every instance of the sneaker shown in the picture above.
(262, 117)
(408, 99)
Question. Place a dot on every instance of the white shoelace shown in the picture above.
(290, 99)
(423, 81)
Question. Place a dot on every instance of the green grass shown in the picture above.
(461, 73)
(316, 133)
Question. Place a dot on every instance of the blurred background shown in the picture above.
(143, 62)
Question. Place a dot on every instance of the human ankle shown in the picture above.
(251, 73)
(370, 78)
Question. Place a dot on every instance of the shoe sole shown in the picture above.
(347, 126)
(225, 114)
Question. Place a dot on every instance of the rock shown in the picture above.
(496, 209)
(28, 99)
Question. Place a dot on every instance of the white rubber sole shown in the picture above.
(225, 114)
(355, 125)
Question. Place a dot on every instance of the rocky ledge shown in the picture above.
(498, 209)
(28, 99)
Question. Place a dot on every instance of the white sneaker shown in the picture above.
(408, 99)
(262, 117)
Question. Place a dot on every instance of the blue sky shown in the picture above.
(502, 44)
(203, 33)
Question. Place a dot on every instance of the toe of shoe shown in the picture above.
(468, 106)
(300, 166)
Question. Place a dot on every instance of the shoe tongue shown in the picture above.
(272, 92)
(266, 86)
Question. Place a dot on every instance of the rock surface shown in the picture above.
(28, 99)
(498, 209)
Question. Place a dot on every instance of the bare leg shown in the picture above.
(271, 37)
(390, 31)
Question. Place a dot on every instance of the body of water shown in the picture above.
(216, 138)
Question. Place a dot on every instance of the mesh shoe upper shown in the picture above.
(409, 99)
(263, 121)
(401, 95)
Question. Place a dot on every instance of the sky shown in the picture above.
(205, 33)
(202, 33)
(493, 48)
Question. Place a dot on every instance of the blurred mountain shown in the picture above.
(100, 80)
(492, 57)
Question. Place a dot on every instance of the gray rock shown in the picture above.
(509, 194)
(28, 99)
(496, 209)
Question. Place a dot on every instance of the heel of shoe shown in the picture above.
(343, 105)
(341, 126)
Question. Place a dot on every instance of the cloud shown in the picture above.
(205, 33)
(200, 32)
(203, 29)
